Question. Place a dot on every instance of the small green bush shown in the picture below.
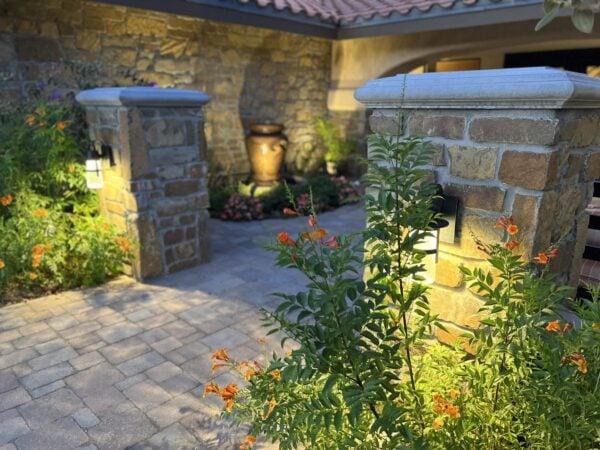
(338, 149)
(51, 236)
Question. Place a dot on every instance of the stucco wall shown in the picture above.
(355, 61)
(251, 74)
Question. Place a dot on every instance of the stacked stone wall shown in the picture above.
(251, 74)
(536, 165)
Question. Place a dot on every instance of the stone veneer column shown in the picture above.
(520, 142)
(156, 191)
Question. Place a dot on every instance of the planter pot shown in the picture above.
(332, 168)
(266, 145)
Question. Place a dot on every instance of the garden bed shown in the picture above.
(246, 201)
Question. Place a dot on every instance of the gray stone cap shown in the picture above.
(142, 96)
(528, 88)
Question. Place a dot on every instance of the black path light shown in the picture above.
(93, 164)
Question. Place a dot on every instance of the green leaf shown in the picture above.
(583, 19)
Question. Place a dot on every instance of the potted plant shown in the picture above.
(338, 149)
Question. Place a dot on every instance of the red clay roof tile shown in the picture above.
(348, 10)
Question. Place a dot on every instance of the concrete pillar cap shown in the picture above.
(528, 88)
(142, 96)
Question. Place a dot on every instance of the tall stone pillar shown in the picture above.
(156, 190)
(520, 142)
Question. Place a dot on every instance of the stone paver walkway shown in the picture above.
(124, 365)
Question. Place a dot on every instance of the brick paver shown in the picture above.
(123, 365)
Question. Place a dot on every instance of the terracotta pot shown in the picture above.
(266, 145)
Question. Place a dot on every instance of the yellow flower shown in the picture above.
(454, 393)
(40, 111)
(2, 264)
(6, 200)
(60, 125)
(30, 120)
(41, 212)
(437, 423)
(32, 276)
(43, 123)
(276, 374)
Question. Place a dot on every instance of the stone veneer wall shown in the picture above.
(533, 161)
(156, 191)
(251, 74)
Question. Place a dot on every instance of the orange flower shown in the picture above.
(312, 221)
(229, 404)
(35, 263)
(211, 388)
(579, 360)
(32, 276)
(437, 423)
(271, 406)
(43, 123)
(512, 229)
(276, 374)
(72, 168)
(216, 366)
(453, 411)
(541, 258)
(123, 244)
(229, 392)
(249, 371)
(38, 250)
(221, 355)
(30, 120)
(250, 440)
(511, 245)
(438, 398)
(289, 212)
(261, 340)
(454, 393)
(316, 235)
(6, 200)
(554, 326)
(504, 222)
(41, 212)
(243, 447)
(285, 239)
(2, 264)
(332, 242)
(60, 125)
(40, 111)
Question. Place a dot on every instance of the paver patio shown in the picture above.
(123, 365)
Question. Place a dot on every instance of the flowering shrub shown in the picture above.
(51, 236)
(363, 375)
(241, 207)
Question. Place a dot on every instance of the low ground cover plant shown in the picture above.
(51, 235)
(364, 373)
(327, 193)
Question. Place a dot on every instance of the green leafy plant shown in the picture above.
(51, 235)
(338, 149)
(362, 375)
(582, 15)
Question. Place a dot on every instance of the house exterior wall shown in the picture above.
(251, 74)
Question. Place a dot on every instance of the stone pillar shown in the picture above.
(520, 142)
(156, 190)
